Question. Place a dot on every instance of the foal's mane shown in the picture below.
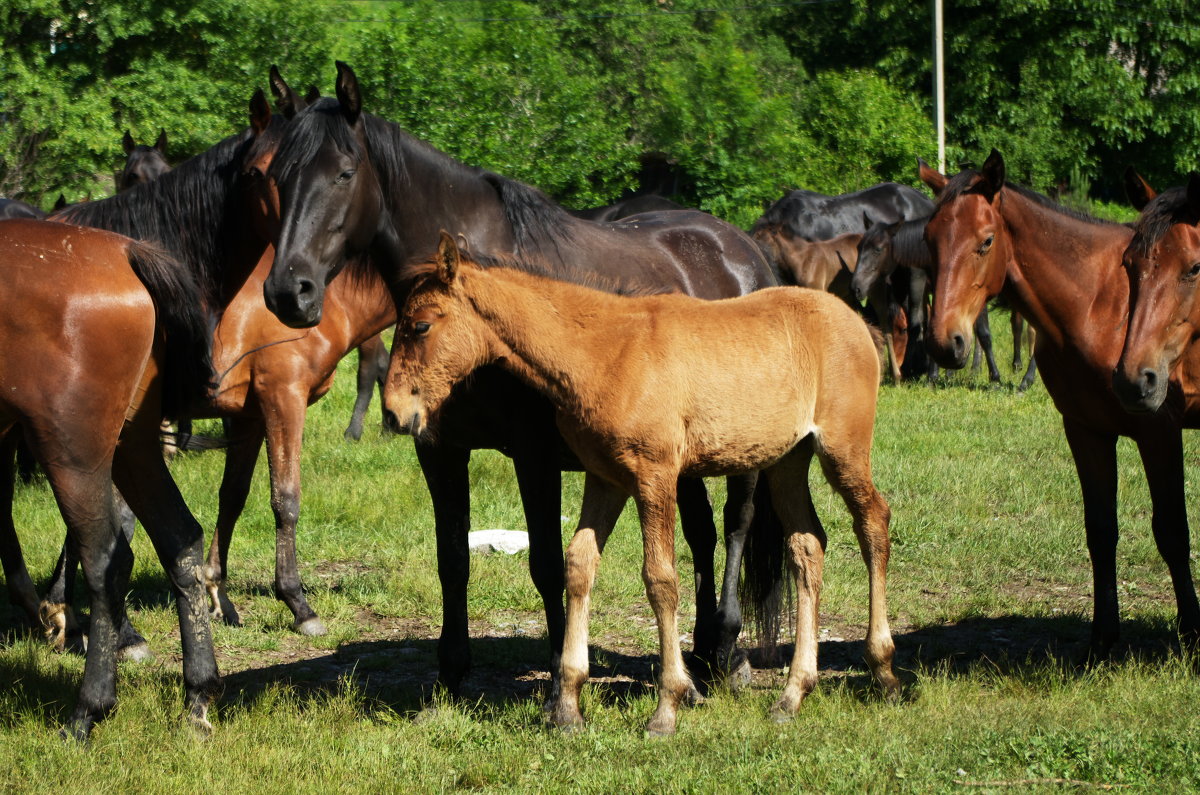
(965, 181)
(1168, 208)
(400, 160)
(185, 211)
(908, 244)
(417, 271)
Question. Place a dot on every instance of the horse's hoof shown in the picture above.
(739, 678)
(136, 652)
(660, 728)
(199, 726)
(780, 716)
(312, 627)
(693, 698)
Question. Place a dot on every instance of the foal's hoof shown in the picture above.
(136, 652)
(693, 697)
(312, 627)
(659, 727)
(780, 716)
(199, 726)
(739, 678)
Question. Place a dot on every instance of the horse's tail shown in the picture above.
(187, 372)
(764, 589)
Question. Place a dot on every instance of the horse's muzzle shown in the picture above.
(297, 303)
(950, 351)
(1144, 392)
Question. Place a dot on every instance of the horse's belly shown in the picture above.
(747, 456)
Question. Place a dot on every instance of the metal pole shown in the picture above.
(939, 86)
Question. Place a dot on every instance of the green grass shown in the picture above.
(990, 596)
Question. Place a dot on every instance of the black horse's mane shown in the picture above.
(185, 211)
(908, 244)
(965, 180)
(539, 225)
(1167, 208)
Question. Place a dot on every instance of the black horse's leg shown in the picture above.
(1017, 323)
(370, 354)
(700, 532)
(21, 592)
(739, 516)
(142, 476)
(540, 482)
(1095, 455)
(246, 436)
(983, 336)
(445, 471)
(1162, 457)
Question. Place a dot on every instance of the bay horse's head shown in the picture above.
(143, 163)
(1162, 262)
(439, 341)
(970, 247)
(330, 202)
(875, 259)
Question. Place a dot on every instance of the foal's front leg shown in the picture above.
(602, 504)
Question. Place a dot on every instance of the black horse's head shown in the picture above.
(143, 163)
(330, 202)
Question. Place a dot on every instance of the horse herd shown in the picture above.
(232, 285)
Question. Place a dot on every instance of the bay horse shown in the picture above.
(216, 213)
(1162, 262)
(1062, 270)
(830, 266)
(641, 388)
(817, 216)
(103, 336)
(354, 188)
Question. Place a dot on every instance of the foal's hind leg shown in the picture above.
(845, 455)
(700, 532)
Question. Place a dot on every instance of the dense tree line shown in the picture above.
(722, 103)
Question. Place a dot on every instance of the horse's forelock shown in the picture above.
(307, 133)
(1167, 209)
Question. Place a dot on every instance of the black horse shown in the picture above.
(15, 208)
(143, 163)
(354, 188)
(817, 216)
(634, 205)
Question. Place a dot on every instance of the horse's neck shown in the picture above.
(365, 301)
(537, 321)
(1065, 274)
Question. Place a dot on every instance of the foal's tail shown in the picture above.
(187, 373)
(764, 590)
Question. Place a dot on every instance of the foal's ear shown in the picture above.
(161, 143)
(867, 221)
(1193, 196)
(448, 258)
(993, 174)
(347, 92)
(933, 178)
(1138, 189)
(127, 143)
(288, 101)
(260, 112)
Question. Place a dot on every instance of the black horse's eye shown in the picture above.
(346, 175)
(985, 245)
(420, 327)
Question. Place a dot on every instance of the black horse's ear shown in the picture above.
(1193, 196)
(260, 112)
(60, 202)
(287, 101)
(1138, 189)
(993, 174)
(448, 258)
(312, 95)
(127, 143)
(347, 92)
(933, 178)
(161, 143)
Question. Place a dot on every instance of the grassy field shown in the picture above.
(990, 598)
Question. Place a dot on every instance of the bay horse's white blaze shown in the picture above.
(651, 388)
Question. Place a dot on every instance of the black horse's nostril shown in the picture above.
(305, 292)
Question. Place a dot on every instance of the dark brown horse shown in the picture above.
(216, 213)
(355, 188)
(142, 163)
(1163, 265)
(103, 336)
(1062, 270)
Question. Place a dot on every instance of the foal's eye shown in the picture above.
(986, 244)
(420, 327)
(346, 175)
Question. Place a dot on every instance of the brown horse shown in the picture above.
(1163, 264)
(104, 336)
(829, 266)
(641, 387)
(1062, 271)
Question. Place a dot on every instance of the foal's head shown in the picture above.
(875, 259)
(1163, 265)
(439, 341)
(969, 243)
